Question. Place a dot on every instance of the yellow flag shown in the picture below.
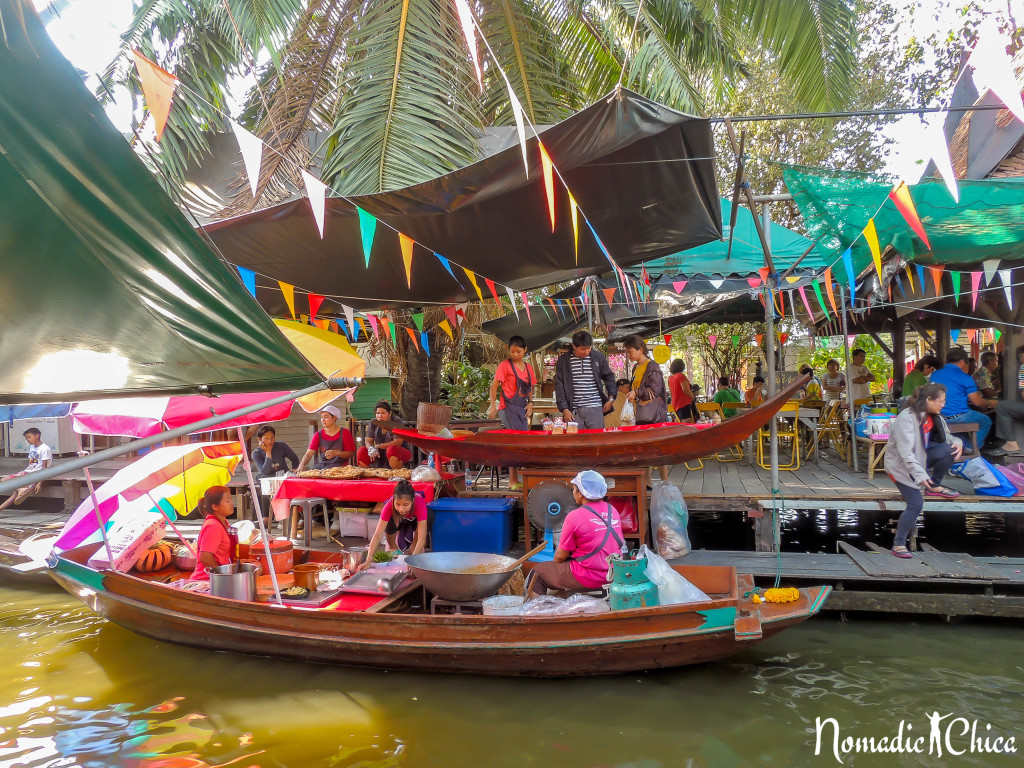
(158, 89)
(574, 210)
(547, 169)
(447, 329)
(872, 237)
(289, 296)
(790, 279)
(407, 244)
(472, 279)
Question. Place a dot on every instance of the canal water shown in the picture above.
(79, 691)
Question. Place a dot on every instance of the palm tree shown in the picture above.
(392, 85)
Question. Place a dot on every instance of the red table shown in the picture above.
(338, 490)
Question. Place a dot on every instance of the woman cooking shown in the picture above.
(214, 545)
(515, 405)
(647, 388)
(333, 445)
(403, 522)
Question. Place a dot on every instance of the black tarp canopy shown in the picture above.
(105, 288)
(643, 174)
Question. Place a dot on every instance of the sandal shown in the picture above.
(943, 492)
(903, 553)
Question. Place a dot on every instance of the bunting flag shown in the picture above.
(333, 327)
(678, 286)
(452, 316)
(807, 304)
(600, 244)
(315, 300)
(350, 315)
(899, 284)
(955, 279)
(552, 303)
(783, 338)
(609, 295)
(425, 343)
(407, 244)
(574, 211)
(546, 313)
(936, 273)
(251, 148)
(763, 273)
(758, 337)
(1006, 277)
(871, 236)
(753, 282)
(517, 113)
(900, 196)
(955, 336)
(991, 266)
(248, 279)
(367, 229)
(995, 336)
(445, 263)
(851, 279)
(460, 312)
(668, 339)
(466, 19)
(716, 284)
(975, 282)
(993, 67)
(373, 324)
(418, 320)
(712, 340)
(735, 339)
(316, 193)
(828, 290)
(910, 277)
(821, 301)
(493, 290)
(157, 88)
(935, 137)
(389, 329)
(512, 298)
(362, 327)
(920, 277)
(549, 181)
(412, 335)
(972, 334)
(472, 279)
(526, 306)
(322, 323)
(444, 326)
(289, 296)
(340, 324)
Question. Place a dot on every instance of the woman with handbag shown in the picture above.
(646, 388)
(921, 450)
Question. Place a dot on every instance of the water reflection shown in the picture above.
(83, 692)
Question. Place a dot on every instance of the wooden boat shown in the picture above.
(391, 635)
(655, 444)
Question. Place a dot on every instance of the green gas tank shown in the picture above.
(630, 587)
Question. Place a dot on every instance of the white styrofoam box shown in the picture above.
(131, 534)
(55, 431)
(354, 524)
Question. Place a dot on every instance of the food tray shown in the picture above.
(375, 582)
(313, 600)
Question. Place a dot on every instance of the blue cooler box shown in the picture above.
(472, 525)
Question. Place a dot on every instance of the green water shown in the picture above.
(82, 692)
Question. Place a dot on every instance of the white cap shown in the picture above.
(333, 410)
(590, 484)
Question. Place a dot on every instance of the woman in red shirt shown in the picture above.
(514, 406)
(214, 546)
(682, 396)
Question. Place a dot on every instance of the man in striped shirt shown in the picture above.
(584, 383)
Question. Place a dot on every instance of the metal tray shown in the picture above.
(375, 583)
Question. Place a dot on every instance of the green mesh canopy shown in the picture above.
(837, 205)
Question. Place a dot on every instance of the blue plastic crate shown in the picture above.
(472, 525)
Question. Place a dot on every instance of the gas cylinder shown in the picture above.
(630, 587)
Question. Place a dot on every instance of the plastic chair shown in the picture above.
(785, 428)
(735, 452)
(307, 518)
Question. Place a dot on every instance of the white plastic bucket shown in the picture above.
(503, 605)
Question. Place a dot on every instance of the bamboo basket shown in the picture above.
(432, 418)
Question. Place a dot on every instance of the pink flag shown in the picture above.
(679, 285)
(453, 318)
(807, 304)
(713, 339)
(753, 282)
(975, 282)
(373, 324)
(526, 306)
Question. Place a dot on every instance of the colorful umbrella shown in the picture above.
(178, 473)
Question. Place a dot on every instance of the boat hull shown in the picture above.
(644, 446)
(608, 643)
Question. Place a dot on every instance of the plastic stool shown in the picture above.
(307, 518)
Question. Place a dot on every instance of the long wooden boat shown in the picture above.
(399, 637)
(655, 444)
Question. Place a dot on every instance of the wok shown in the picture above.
(445, 573)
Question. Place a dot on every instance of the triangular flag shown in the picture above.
(418, 319)
(460, 312)
(251, 147)
(1005, 275)
(807, 304)
(362, 327)
(412, 335)
(668, 339)
(158, 89)
(995, 336)
(763, 272)
(322, 323)
(936, 273)
(609, 294)
(713, 339)
(935, 136)
(454, 318)
(526, 306)
(716, 284)
(373, 324)
(955, 278)
(553, 306)
(972, 334)
(975, 281)
(248, 279)
(600, 244)
(472, 279)
(517, 113)
(991, 266)
(821, 301)
(851, 279)
(871, 236)
(678, 286)
(828, 290)
(448, 266)
(466, 19)
(407, 244)
(444, 325)
(574, 211)
(316, 192)
(367, 229)
(753, 282)
(350, 316)
(342, 328)
(493, 289)
(791, 279)
(955, 336)
(735, 339)
(910, 277)
(512, 298)
(304, 319)
(289, 296)
(425, 342)
(549, 181)
(546, 313)
(900, 195)
(315, 300)
(783, 337)
(993, 67)
(920, 277)
(899, 284)
(759, 337)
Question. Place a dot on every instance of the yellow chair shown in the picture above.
(787, 427)
(714, 411)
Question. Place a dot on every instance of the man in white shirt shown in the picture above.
(39, 457)
(859, 377)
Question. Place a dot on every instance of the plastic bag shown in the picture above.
(1015, 474)
(673, 589)
(628, 415)
(425, 474)
(669, 519)
(576, 604)
(978, 471)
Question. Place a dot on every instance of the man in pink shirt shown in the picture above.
(590, 535)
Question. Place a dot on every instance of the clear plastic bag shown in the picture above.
(668, 520)
(548, 605)
(673, 589)
(425, 474)
(628, 414)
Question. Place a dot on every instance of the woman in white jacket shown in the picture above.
(921, 451)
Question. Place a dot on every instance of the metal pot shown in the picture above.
(461, 576)
(352, 558)
(183, 559)
(235, 581)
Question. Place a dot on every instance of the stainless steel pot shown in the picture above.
(352, 558)
(235, 581)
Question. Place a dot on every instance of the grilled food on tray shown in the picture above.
(357, 473)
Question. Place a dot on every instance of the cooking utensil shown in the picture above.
(464, 576)
(235, 581)
(352, 557)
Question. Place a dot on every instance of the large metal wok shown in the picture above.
(462, 576)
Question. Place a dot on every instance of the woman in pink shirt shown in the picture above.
(403, 522)
(214, 546)
(590, 535)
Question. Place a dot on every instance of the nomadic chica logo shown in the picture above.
(946, 736)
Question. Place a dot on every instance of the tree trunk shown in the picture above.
(422, 381)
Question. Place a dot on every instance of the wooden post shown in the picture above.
(899, 354)
(942, 338)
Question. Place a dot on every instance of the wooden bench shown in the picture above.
(876, 453)
(970, 429)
